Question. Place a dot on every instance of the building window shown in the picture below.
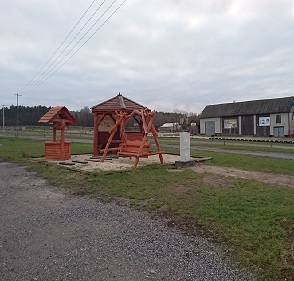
(278, 118)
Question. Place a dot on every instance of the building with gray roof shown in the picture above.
(268, 117)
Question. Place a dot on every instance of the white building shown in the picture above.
(269, 117)
(169, 127)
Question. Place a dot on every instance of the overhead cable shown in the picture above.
(47, 75)
(45, 72)
(61, 63)
(59, 46)
(86, 41)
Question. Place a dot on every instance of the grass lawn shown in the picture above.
(249, 162)
(254, 220)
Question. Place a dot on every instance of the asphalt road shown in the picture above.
(278, 155)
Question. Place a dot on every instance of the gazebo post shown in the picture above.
(95, 143)
(62, 138)
(112, 132)
(155, 136)
(54, 132)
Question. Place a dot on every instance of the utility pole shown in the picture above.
(3, 117)
(17, 95)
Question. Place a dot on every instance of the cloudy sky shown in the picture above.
(165, 54)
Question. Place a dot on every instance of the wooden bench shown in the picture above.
(134, 144)
(131, 148)
(135, 136)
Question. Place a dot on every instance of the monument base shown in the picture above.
(185, 164)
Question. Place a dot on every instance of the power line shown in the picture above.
(86, 40)
(60, 45)
(60, 63)
(44, 73)
(48, 73)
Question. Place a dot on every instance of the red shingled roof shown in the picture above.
(56, 113)
(118, 102)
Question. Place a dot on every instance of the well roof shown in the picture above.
(58, 112)
(266, 106)
(118, 102)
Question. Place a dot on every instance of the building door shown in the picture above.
(278, 132)
(209, 128)
(247, 125)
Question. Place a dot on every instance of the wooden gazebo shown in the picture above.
(60, 117)
(110, 120)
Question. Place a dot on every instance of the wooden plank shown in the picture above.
(53, 151)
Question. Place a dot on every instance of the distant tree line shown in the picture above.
(29, 116)
(84, 117)
(183, 118)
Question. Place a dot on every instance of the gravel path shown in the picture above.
(49, 234)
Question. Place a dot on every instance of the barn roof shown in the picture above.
(58, 113)
(267, 106)
(118, 102)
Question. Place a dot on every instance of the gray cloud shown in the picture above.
(164, 54)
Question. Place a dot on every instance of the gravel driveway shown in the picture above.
(49, 234)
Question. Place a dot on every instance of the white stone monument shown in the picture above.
(185, 160)
(184, 147)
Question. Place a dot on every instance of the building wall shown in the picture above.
(217, 125)
(263, 127)
(284, 123)
(230, 125)
(251, 125)
(247, 125)
(166, 129)
(172, 128)
(291, 124)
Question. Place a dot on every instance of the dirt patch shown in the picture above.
(270, 178)
(87, 163)
(215, 181)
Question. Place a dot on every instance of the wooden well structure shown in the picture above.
(59, 117)
(110, 120)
